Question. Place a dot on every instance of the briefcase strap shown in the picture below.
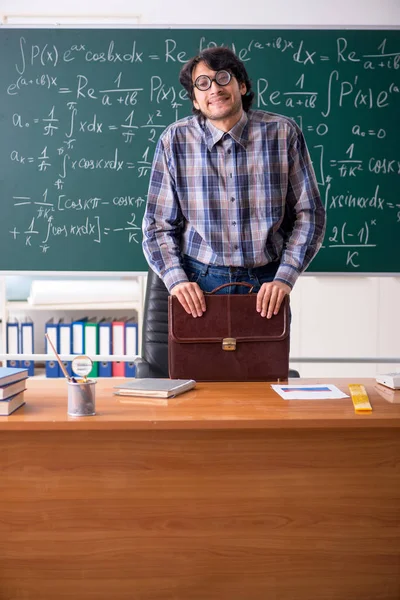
(224, 285)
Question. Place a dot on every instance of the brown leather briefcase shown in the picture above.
(230, 342)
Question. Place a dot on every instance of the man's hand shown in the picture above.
(191, 297)
(270, 297)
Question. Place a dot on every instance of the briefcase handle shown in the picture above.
(224, 285)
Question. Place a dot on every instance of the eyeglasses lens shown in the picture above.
(223, 77)
(203, 82)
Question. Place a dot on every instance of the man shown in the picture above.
(232, 195)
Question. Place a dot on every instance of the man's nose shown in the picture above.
(214, 83)
(215, 87)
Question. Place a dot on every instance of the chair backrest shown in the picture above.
(155, 328)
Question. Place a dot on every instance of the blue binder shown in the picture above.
(78, 336)
(52, 368)
(131, 345)
(105, 347)
(12, 342)
(65, 344)
(91, 334)
(27, 345)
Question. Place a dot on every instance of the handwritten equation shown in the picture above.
(83, 111)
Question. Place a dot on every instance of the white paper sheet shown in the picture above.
(325, 391)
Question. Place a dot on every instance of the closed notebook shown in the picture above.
(8, 406)
(155, 388)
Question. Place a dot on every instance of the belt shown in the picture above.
(269, 268)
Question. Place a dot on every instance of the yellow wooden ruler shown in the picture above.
(360, 399)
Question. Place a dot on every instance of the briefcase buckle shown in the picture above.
(229, 344)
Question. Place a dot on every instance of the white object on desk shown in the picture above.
(391, 380)
(323, 391)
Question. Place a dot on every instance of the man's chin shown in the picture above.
(217, 115)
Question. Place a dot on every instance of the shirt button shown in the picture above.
(229, 151)
(236, 247)
(233, 222)
(232, 199)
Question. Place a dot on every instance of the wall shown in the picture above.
(212, 12)
(332, 316)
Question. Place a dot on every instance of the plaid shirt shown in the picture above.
(242, 198)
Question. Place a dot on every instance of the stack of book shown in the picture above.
(12, 389)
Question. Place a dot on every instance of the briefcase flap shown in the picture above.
(227, 316)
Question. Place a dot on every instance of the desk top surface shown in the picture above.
(208, 406)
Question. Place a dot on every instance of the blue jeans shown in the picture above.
(208, 277)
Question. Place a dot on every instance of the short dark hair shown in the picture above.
(216, 59)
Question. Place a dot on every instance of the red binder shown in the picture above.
(118, 347)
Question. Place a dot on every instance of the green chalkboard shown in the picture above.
(81, 111)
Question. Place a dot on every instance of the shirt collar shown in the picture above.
(239, 132)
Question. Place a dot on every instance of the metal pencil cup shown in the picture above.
(82, 398)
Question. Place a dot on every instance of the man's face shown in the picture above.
(218, 103)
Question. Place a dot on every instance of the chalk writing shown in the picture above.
(83, 111)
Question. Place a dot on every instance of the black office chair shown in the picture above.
(154, 359)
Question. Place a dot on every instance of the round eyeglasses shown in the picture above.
(204, 82)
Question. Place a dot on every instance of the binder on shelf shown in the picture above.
(105, 347)
(12, 342)
(131, 346)
(65, 344)
(91, 344)
(52, 329)
(118, 347)
(78, 336)
(26, 345)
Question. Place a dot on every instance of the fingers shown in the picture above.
(191, 297)
(270, 298)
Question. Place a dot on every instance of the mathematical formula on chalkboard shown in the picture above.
(81, 112)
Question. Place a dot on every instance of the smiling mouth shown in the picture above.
(219, 100)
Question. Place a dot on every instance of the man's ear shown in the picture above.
(243, 88)
(196, 104)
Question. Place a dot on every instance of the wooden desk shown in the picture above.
(229, 492)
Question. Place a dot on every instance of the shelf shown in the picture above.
(133, 304)
(15, 306)
(69, 357)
